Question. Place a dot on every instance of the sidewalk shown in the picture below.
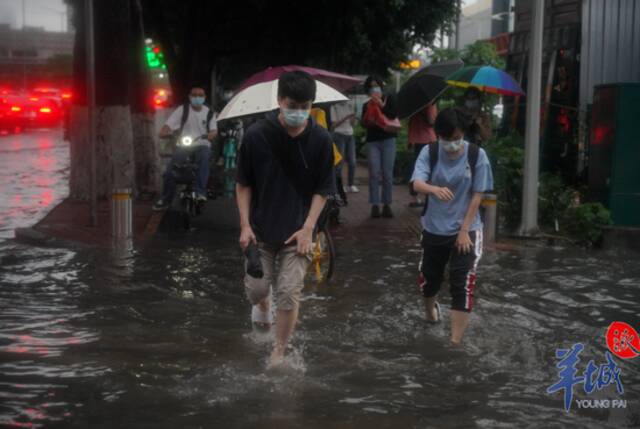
(357, 215)
(67, 225)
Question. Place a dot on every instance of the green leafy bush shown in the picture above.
(507, 159)
(555, 199)
(585, 222)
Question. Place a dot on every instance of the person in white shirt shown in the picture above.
(342, 120)
(197, 121)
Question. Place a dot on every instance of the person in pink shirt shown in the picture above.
(421, 133)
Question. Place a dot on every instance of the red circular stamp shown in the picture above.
(623, 340)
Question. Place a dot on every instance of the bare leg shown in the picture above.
(459, 323)
(285, 324)
(430, 312)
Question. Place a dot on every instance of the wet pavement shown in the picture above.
(162, 338)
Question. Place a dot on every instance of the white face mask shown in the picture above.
(451, 146)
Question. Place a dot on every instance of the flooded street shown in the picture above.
(163, 339)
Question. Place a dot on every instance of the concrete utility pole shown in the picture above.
(91, 107)
(529, 225)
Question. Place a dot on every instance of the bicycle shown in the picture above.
(187, 204)
(324, 254)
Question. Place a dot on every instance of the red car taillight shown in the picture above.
(45, 110)
(16, 108)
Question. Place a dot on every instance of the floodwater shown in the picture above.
(162, 339)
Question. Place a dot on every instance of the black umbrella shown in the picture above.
(424, 87)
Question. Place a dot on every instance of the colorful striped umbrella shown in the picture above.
(485, 78)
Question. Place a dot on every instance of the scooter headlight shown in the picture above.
(186, 141)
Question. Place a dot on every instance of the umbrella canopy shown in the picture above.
(424, 87)
(341, 82)
(485, 78)
(263, 97)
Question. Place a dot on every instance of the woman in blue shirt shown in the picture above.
(452, 229)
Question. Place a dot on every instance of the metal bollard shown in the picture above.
(121, 213)
(490, 218)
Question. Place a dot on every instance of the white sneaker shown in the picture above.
(354, 189)
(262, 317)
(346, 189)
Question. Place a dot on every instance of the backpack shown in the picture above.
(185, 116)
(472, 159)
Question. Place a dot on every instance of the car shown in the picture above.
(41, 111)
(11, 115)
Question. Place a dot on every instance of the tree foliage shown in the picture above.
(480, 53)
(235, 39)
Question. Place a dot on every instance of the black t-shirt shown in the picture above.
(284, 173)
(375, 133)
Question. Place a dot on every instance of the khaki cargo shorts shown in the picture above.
(284, 270)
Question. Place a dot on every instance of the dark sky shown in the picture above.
(39, 13)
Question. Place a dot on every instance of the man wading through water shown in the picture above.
(285, 172)
(454, 174)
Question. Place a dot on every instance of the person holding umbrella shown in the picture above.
(381, 145)
(477, 80)
(285, 172)
(479, 129)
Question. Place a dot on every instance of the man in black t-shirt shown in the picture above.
(285, 172)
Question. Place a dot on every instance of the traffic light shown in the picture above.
(155, 57)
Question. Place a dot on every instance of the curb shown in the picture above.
(33, 237)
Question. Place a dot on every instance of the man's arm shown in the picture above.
(317, 204)
(304, 236)
(243, 199)
(165, 131)
(172, 124)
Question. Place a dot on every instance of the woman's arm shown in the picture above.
(441, 193)
(463, 242)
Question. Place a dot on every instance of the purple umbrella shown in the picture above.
(341, 82)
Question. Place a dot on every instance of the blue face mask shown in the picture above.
(451, 146)
(196, 101)
(295, 117)
(376, 90)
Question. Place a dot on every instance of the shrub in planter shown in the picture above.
(555, 199)
(585, 222)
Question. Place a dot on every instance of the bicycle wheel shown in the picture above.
(323, 258)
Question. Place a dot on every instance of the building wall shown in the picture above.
(610, 44)
(32, 45)
(475, 27)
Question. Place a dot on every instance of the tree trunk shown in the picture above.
(122, 111)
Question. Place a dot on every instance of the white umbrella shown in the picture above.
(263, 97)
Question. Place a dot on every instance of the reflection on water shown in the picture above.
(33, 175)
(160, 337)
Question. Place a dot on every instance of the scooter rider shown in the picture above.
(192, 119)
